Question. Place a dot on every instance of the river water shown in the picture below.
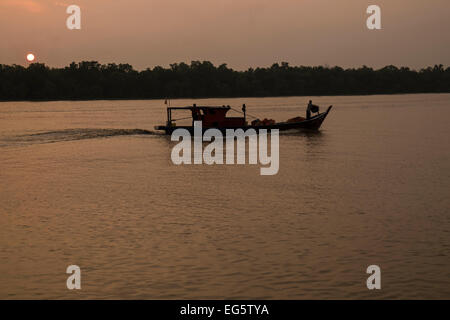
(91, 184)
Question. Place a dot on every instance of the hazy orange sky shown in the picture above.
(241, 33)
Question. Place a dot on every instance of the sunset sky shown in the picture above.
(241, 33)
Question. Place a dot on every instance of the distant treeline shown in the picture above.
(91, 80)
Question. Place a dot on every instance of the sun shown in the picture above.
(30, 57)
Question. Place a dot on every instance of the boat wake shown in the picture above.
(73, 134)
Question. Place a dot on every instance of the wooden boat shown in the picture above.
(215, 117)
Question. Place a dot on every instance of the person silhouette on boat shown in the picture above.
(311, 108)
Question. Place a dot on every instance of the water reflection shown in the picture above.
(355, 194)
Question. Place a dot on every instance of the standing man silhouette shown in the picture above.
(308, 110)
(311, 108)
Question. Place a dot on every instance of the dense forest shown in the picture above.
(91, 80)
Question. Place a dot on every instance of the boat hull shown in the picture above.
(312, 124)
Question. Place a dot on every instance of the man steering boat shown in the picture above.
(311, 108)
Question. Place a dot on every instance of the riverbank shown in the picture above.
(89, 80)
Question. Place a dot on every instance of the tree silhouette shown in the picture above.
(92, 80)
